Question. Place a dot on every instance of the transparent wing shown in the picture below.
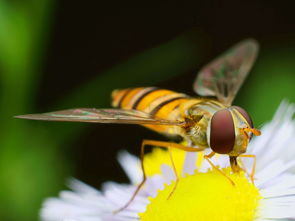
(224, 76)
(100, 116)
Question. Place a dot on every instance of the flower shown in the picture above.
(201, 191)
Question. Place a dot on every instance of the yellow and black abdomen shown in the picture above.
(157, 102)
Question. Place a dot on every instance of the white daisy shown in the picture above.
(203, 195)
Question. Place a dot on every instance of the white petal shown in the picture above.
(131, 166)
(189, 165)
(167, 173)
(266, 175)
(153, 184)
(119, 194)
(275, 209)
(277, 138)
(80, 187)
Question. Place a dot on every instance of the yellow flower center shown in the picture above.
(205, 196)
(154, 160)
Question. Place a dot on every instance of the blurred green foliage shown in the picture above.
(271, 81)
(31, 162)
(23, 160)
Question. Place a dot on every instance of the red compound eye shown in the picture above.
(245, 115)
(222, 136)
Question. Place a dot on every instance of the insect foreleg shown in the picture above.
(207, 157)
(253, 166)
(169, 146)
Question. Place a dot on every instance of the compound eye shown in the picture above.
(245, 115)
(222, 134)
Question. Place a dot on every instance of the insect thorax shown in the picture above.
(197, 135)
(198, 117)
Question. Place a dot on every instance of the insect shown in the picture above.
(202, 122)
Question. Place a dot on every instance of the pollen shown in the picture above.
(205, 196)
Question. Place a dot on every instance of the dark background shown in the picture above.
(88, 38)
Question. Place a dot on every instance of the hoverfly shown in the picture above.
(202, 122)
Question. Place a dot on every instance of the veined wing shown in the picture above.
(224, 76)
(93, 115)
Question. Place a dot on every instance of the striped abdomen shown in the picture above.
(157, 102)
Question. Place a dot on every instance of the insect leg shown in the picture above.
(242, 166)
(253, 166)
(140, 184)
(175, 172)
(164, 144)
(210, 155)
(245, 169)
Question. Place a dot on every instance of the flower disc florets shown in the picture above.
(205, 196)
